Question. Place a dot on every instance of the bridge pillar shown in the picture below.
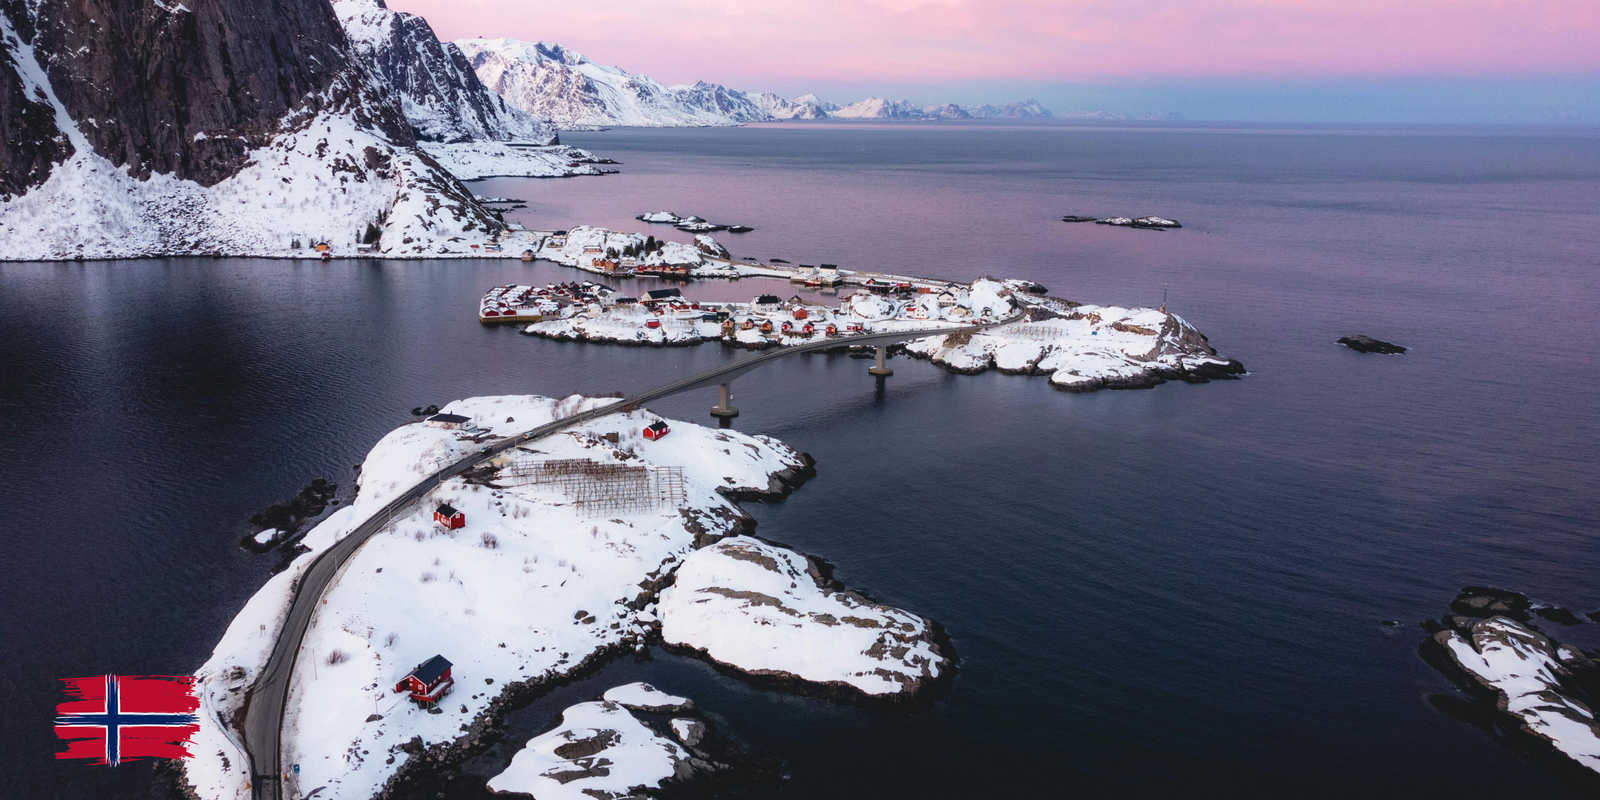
(879, 368)
(722, 409)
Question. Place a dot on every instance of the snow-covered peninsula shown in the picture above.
(562, 548)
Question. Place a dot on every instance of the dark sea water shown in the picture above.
(1173, 592)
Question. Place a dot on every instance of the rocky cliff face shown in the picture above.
(30, 142)
(442, 98)
(188, 90)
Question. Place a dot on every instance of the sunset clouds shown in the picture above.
(930, 41)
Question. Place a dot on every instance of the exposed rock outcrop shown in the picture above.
(1367, 344)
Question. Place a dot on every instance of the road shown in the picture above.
(263, 723)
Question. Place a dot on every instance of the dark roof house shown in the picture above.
(430, 670)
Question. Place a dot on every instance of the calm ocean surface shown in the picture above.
(1174, 592)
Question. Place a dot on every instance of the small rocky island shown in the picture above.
(1542, 692)
(1151, 222)
(690, 223)
(1367, 344)
(635, 741)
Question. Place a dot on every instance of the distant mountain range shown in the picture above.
(567, 90)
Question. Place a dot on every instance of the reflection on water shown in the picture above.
(1150, 591)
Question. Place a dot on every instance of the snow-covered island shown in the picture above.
(634, 741)
(545, 561)
(1547, 690)
(690, 223)
(1081, 347)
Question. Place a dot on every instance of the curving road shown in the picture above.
(264, 710)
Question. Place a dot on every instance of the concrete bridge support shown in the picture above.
(722, 409)
(879, 368)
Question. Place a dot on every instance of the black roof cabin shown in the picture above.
(664, 294)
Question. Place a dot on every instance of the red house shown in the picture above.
(656, 430)
(428, 682)
(449, 517)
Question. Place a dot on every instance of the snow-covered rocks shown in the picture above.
(1129, 222)
(644, 697)
(690, 223)
(1533, 681)
(1155, 222)
(770, 614)
(601, 750)
(540, 583)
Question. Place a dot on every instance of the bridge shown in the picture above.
(264, 710)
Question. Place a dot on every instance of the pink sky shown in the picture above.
(932, 41)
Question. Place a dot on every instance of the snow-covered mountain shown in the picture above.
(284, 142)
(1027, 109)
(437, 89)
(570, 91)
(805, 107)
(877, 108)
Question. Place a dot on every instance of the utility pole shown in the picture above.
(1164, 285)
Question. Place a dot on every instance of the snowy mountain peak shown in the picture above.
(438, 91)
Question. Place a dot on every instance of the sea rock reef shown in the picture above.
(625, 745)
(1544, 693)
(1366, 344)
(772, 615)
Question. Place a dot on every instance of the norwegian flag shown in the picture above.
(109, 719)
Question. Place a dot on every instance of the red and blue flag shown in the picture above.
(109, 719)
